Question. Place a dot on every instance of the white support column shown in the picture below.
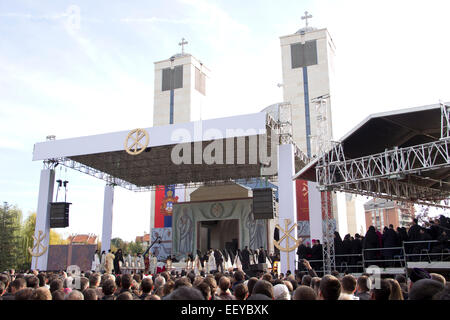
(107, 217)
(287, 203)
(315, 212)
(152, 213)
(42, 229)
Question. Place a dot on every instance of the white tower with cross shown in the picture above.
(308, 77)
(180, 88)
(180, 94)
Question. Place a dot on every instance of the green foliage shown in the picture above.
(135, 248)
(10, 237)
(127, 247)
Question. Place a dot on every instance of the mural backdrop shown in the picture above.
(252, 233)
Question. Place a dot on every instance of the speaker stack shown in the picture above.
(59, 214)
(264, 203)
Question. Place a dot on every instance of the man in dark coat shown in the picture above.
(301, 253)
(316, 254)
(413, 235)
(338, 250)
(440, 246)
(390, 240)
(356, 249)
(347, 249)
(370, 242)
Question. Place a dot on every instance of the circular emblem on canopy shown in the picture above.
(136, 141)
(217, 210)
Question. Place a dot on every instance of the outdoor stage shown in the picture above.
(192, 154)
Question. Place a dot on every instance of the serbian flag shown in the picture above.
(165, 197)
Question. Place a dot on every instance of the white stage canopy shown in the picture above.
(104, 156)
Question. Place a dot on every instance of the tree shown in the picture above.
(117, 243)
(10, 244)
(26, 236)
(135, 248)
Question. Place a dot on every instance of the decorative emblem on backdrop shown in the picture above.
(38, 249)
(167, 203)
(136, 141)
(286, 236)
(217, 210)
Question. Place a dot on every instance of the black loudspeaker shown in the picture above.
(59, 214)
(264, 203)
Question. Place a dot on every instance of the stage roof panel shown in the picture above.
(104, 156)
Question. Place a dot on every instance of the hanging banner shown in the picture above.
(165, 197)
(301, 187)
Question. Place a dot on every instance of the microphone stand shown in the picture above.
(158, 239)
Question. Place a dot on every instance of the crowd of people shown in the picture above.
(219, 275)
(349, 250)
(227, 285)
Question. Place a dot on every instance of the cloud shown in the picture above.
(162, 20)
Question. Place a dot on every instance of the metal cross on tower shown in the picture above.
(306, 17)
(182, 43)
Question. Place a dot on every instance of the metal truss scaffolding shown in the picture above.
(401, 174)
(322, 143)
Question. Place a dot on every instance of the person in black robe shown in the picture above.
(269, 258)
(232, 256)
(317, 254)
(219, 260)
(370, 242)
(201, 257)
(390, 240)
(301, 253)
(413, 235)
(224, 254)
(118, 257)
(356, 250)
(347, 249)
(402, 235)
(424, 236)
(245, 259)
(439, 247)
(261, 255)
(338, 250)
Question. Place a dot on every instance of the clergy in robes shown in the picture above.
(134, 263)
(370, 242)
(102, 262)
(117, 261)
(169, 264)
(153, 261)
(219, 260)
(245, 259)
(128, 262)
(390, 240)
(95, 266)
(189, 262)
(261, 256)
(316, 254)
(140, 263)
(197, 265)
(109, 262)
(211, 262)
(414, 235)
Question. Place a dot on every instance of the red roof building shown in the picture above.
(83, 239)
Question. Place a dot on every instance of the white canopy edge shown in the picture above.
(229, 127)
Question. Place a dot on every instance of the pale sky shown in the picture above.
(70, 78)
